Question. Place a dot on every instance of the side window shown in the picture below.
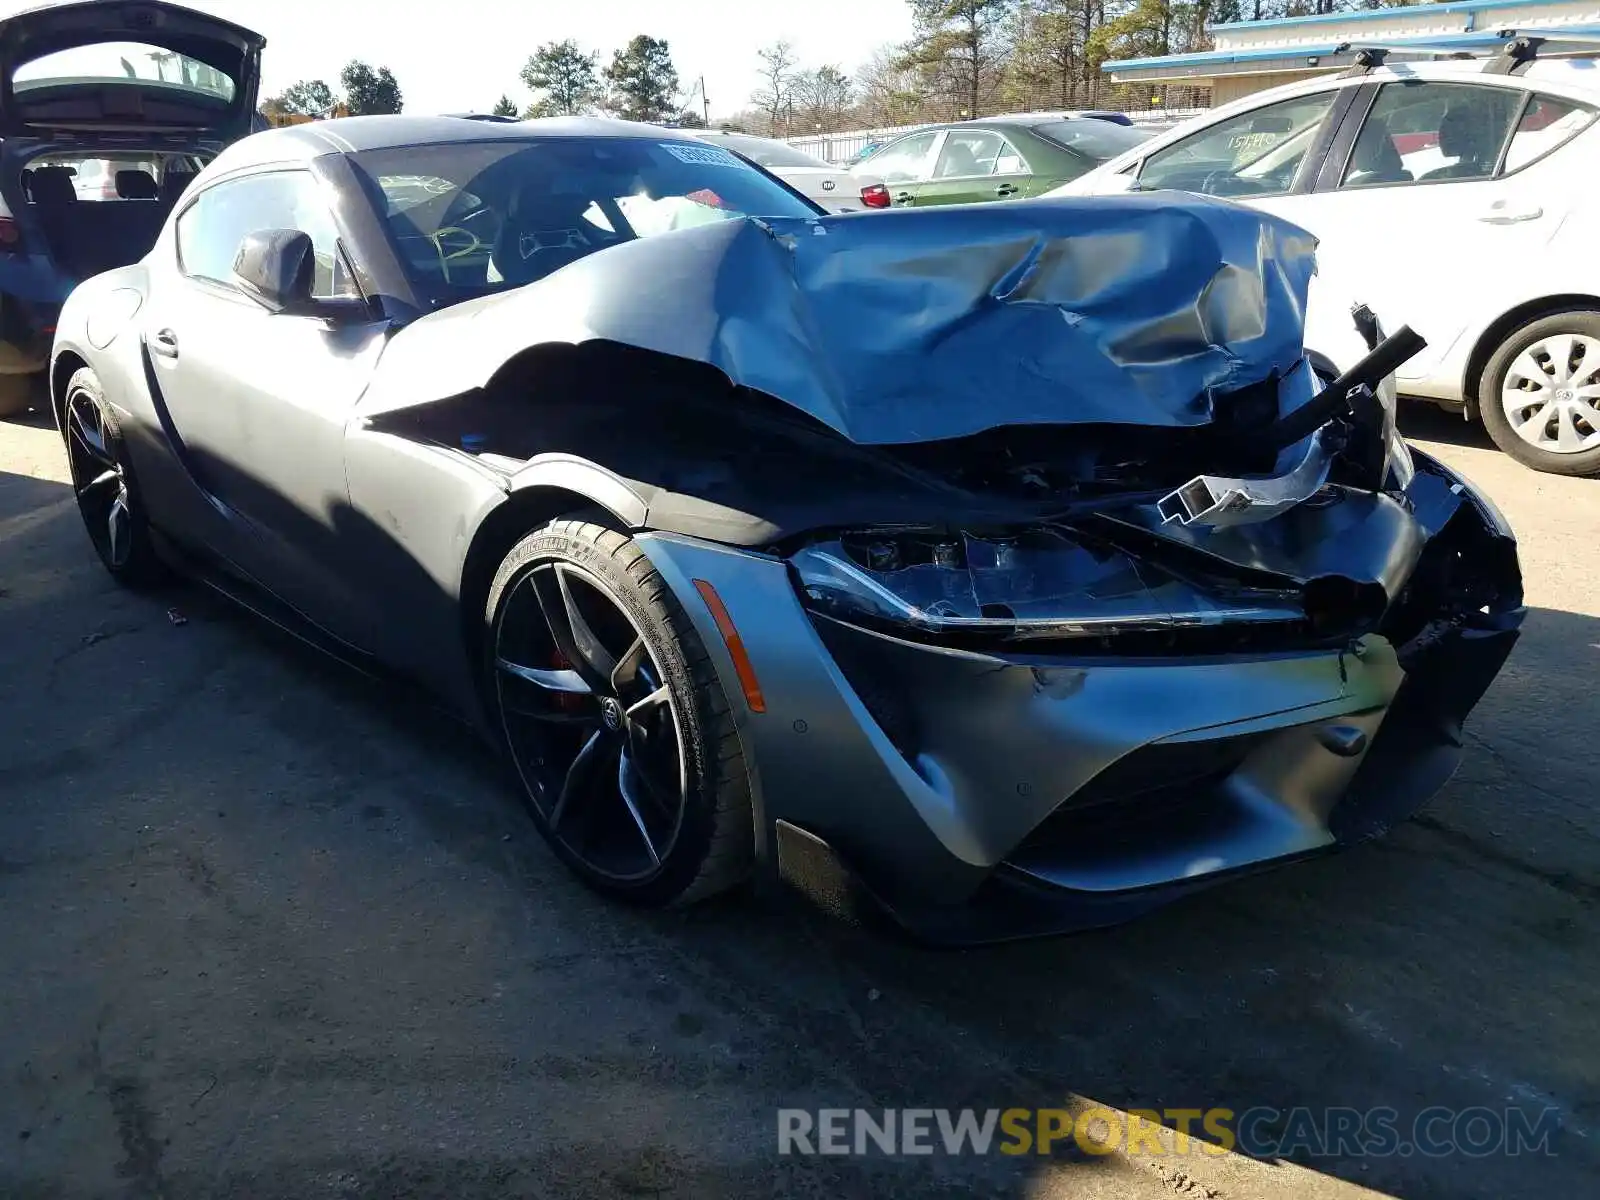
(1546, 123)
(1420, 132)
(1010, 162)
(901, 161)
(968, 152)
(1256, 153)
(209, 230)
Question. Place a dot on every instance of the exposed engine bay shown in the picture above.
(1024, 533)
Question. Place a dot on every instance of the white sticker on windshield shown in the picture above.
(699, 152)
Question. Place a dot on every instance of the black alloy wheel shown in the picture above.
(614, 719)
(586, 708)
(104, 485)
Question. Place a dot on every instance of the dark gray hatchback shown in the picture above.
(107, 109)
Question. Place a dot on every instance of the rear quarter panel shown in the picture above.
(102, 327)
(99, 327)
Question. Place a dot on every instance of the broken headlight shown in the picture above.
(1029, 583)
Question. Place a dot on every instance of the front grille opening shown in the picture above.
(1158, 787)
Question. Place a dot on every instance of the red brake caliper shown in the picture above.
(565, 701)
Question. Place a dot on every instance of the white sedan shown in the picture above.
(1451, 199)
(834, 188)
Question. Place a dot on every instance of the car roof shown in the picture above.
(1579, 74)
(1009, 121)
(354, 135)
(1015, 119)
(1063, 114)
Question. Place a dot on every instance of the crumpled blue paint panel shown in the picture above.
(943, 322)
(918, 325)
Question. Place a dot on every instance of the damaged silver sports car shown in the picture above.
(1001, 569)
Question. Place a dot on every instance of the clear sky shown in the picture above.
(460, 55)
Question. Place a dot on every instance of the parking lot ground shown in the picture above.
(267, 932)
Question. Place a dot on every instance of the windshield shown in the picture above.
(123, 62)
(1091, 137)
(470, 218)
(767, 152)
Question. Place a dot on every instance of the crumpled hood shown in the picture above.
(919, 325)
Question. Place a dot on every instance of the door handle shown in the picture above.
(165, 343)
(1499, 216)
(903, 198)
(1007, 189)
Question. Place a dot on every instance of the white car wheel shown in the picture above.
(1540, 394)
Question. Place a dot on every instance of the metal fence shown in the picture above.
(844, 146)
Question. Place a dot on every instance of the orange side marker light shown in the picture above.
(735, 644)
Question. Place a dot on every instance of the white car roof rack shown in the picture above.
(1510, 52)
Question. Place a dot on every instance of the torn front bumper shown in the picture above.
(983, 795)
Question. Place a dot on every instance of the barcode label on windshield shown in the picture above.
(706, 156)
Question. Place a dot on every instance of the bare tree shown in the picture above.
(775, 96)
(887, 90)
(823, 98)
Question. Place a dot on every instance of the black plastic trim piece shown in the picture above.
(1306, 178)
(1342, 142)
(1368, 59)
(1514, 56)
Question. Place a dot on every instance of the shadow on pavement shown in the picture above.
(1428, 422)
(38, 412)
(23, 495)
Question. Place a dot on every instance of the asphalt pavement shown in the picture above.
(267, 931)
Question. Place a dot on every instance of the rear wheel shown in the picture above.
(103, 482)
(1540, 394)
(615, 720)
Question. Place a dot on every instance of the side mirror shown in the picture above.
(276, 269)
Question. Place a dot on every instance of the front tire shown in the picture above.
(103, 482)
(1540, 394)
(614, 719)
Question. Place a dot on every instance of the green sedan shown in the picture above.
(1000, 158)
